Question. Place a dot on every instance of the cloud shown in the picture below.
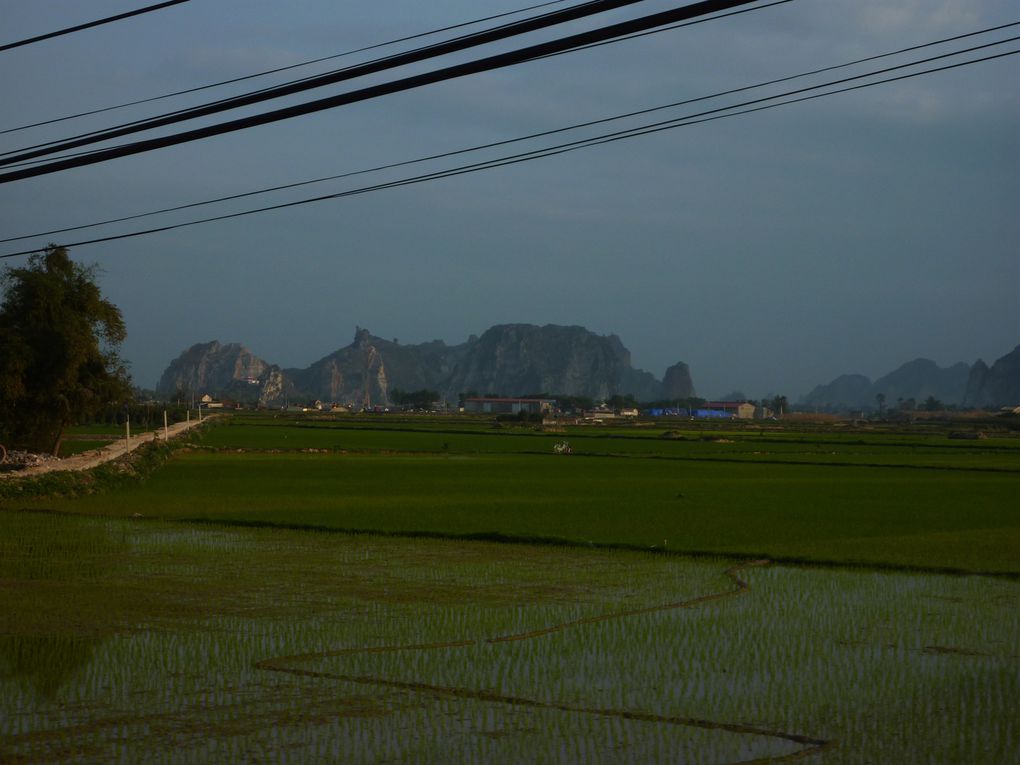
(915, 17)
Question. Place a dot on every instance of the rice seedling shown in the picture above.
(166, 645)
(920, 449)
(954, 520)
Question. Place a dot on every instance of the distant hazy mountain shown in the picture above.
(509, 359)
(523, 358)
(921, 378)
(995, 386)
(845, 392)
(677, 383)
(959, 384)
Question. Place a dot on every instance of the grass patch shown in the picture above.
(924, 450)
(121, 472)
(949, 519)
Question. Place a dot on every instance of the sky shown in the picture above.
(771, 252)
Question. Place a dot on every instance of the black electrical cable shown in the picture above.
(519, 139)
(460, 70)
(671, 27)
(755, 105)
(283, 68)
(464, 42)
(90, 24)
(668, 28)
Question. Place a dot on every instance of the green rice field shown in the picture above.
(346, 591)
(931, 503)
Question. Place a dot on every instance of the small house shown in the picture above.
(493, 405)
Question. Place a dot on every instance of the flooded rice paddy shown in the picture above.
(146, 641)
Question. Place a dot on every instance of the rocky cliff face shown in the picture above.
(511, 359)
(515, 359)
(212, 366)
(273, 387)
(355, 374)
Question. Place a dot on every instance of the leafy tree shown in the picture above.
(59, 337)
(574, 403)
(419, 399)
(182, 395)
(618, 401)
(932, 404)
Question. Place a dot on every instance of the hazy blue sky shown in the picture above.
(771, 252)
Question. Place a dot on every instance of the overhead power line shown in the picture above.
(667, 28)
(464, 42)
(415, 81)
(90, 24)
(277, 70)
(747, 107)
(520, 139)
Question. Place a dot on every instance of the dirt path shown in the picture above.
(809, 745)
(95, 457)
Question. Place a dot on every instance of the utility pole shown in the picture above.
(166, 429)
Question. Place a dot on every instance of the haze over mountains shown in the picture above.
(508, 359)
(521, 359)
(977, 386)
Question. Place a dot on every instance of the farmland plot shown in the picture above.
(150, 641)
(955, 519)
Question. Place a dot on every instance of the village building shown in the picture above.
(491, 405)
(739, 410)
(603, 413)
(714, 410)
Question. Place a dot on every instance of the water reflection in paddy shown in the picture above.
(141, 642)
